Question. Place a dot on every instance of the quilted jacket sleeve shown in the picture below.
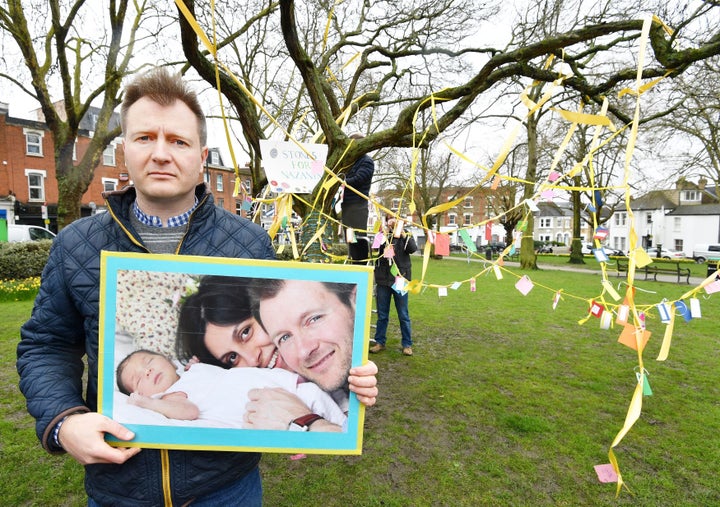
(51, 348)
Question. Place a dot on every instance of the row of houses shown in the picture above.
(28, 187)
(675, 219)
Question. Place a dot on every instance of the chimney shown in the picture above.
(702, 184)
(4, 108)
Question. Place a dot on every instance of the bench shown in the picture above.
(621, 266)
(667, 268)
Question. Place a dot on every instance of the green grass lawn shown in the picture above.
(506, 402)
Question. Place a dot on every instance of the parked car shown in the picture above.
(616, 253)
(545, 249)
(18, 232)
(665, 253)
(706, 252)
(587, 248)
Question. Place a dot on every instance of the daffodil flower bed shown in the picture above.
(19, 290)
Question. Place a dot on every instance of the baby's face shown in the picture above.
(147, 374)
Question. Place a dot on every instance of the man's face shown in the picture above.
(313, 330)
(147, 374)
(163, 153)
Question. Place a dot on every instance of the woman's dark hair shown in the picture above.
(220, 300)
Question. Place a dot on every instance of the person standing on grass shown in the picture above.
(165, 211)
(355, 207)
(402, 245)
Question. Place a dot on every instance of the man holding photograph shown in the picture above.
(166, 211)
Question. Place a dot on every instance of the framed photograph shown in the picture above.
(231, 354)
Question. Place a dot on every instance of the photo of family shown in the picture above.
(233, 354)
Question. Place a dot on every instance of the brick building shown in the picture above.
(28, 187)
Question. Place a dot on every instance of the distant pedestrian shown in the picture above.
(355, 207)
(402, 245)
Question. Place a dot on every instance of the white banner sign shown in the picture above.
(289, 169)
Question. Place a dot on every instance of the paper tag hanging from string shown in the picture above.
(606, 473)
(633, 337)
(606, 320)
(642, 379)
(378, 240)
(683, 310)
(596, 309)
(399, 285)
(664, 312)
(713, 287)
(442, 291)
(610, 290)
(455, 285)
(695, 308)
(472, 285)
(498, 272)
(623, 312)
(601, 255)
(350, 235)
(556, 299)
(524, 285)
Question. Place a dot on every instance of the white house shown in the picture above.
(676, 219)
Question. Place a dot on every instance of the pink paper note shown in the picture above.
(379, 240)
(606, 473)
(524, 285)
(442, 245)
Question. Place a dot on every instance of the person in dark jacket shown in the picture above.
(391, 286)
(166, 211)
(355, 207)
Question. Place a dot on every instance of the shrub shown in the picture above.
(23, 260)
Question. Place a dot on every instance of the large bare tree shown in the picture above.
(75, 54)
(398, 66)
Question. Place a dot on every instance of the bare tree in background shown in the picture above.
(78, 54)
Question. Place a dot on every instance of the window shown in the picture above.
(677, 224)
(545, 223)
(214, 158)
(219, 182)
(33, 142)
(691, 195)
(620, 218)
(248, 185)
(36, 184)
(452, 219)
(109, 155)
(395, 204)
(467, 219)
(468, 202)
(678, 245)
(648, 218)
(109, 184)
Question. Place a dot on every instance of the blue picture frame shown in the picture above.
(123, 323)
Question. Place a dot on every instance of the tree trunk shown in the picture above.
(528, 258)
(576, 256)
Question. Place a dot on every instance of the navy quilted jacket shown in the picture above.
(64, 327)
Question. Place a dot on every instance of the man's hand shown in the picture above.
(82, 436)
(363, 383)
(272, 409)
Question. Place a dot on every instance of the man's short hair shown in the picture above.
(160, 86)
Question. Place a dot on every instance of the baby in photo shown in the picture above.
(212, 393)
